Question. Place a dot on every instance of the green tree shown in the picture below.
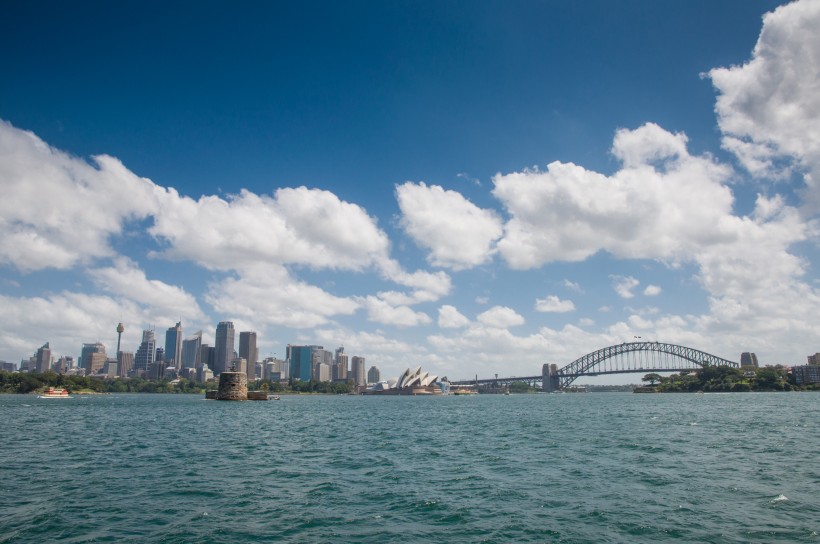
(652, 378)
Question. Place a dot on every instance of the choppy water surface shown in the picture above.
(518, 468)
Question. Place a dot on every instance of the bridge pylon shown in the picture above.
(549, 378)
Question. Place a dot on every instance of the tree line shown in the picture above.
(726, 379)
(30, 382)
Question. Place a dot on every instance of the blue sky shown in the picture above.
(477, 187)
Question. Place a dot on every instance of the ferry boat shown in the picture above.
(51, 393)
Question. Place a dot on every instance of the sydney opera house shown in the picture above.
(411, 382)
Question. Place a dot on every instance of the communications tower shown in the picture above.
(120, 329)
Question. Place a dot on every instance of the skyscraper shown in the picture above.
(374, 375)
(300, 360)
(249, 352)
(191, 348)
(146, 353)
(357, 371)
(93, 357)
(43, 358)
(223, 346)
(173, 345)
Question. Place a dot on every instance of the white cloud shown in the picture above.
(269, 295)
(301, 226)
(623, 285)
(573, 286)
(126, 279)
(500, 317)
(652, 290)
(769, 108)
(553, 304)
(450, 318)
(663, 204)
(58, 210)
(458, 233)
(381, 311)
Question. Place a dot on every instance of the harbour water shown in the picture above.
(478, 468)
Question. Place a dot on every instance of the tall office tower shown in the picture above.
(173, 346)
(249, 352)
(223, 346)
(191, 350)
(63, 364)
(125, 363)
(340, 368)
(320, 356)
(357, 371)
(146, 353)
(207, 356)
(300, 361)
(43, 358)
(374, 375)
(748, 359)
(93, 357)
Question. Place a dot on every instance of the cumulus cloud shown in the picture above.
(381, 311)
(769, 107)
(450, 318)
(663, 204)
(623, 285)
(126, 279)
(296, 226)
(652, 290)
(58, 210)
(553, 304)
(269, 295)
(573, 286)
(457, 233)
(500, 317)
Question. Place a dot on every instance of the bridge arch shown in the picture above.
(632, 357)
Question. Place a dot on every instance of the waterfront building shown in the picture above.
(125, 363)
(374, 375)
(43, 358)
(93, 357)
(323, 372)
(223, 347)
(173, 345)
(146, 353)
(300, 361)
(806, 374)
(249, 351)
(411, 382)
(357, 370)
(192, 350)
(748, 360)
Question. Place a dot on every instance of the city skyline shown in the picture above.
(479, 189)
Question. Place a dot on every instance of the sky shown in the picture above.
(475, 187)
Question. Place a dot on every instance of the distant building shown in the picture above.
(806, 374)
(814, 359)
(274, 369)
(43, 358)
(320, 357)
(207, 356)
(357, 371)
(63, 364)
(748, 359)
(192, 350)
(374, 375)
(323, 372)
(340, 367)
(300, 361)
(249, 351)
(223, 347)
(8, 367)
(173, 345)
(93, 358)
(146, 354)
(125, 363)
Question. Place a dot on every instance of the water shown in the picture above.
(483, 468)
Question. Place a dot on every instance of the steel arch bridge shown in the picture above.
(628, 357)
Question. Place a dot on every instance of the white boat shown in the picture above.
(52, 393)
